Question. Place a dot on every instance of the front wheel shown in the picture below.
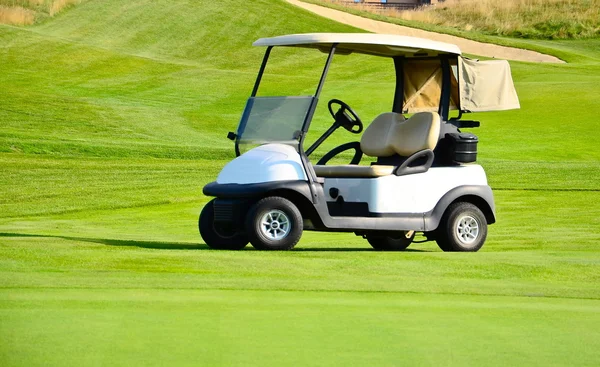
(397, 242)
(463, 228)
(219, 236)
(274, 223)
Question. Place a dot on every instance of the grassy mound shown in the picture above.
(535, 19)
(548, 19)
(144, 78)
(114, 115)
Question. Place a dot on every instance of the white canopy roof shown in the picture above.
(366, 43)
(475, 85)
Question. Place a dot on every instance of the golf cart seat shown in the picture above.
(391, 135)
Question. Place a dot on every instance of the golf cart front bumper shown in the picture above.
(254, 190)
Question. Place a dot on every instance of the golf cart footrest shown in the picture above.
(463, 147)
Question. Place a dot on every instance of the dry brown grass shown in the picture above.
(28, 4)
(25, 12)
(58, 5)
(523, 18)
(16, 15)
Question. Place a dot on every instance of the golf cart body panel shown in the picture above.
(339, 215)
(355, 217)
(418, 193)
(423, 178)
(265, 163)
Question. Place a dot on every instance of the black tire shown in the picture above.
(463, 228)
(219, 237)
(398, 241)
(274, 223)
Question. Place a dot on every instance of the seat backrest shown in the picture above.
(391, 134)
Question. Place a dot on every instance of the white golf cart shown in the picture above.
(422, 178)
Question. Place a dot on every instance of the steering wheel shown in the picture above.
(342, 148)
(345, 116)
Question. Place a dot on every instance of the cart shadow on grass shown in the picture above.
(158, 245)
(161, 245)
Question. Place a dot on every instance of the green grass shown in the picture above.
(310, 328)
(113, 116)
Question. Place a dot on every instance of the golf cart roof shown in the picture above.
(386, 45)
(431, 76)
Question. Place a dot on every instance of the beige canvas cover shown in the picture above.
(423, 86)
(475, 85)
(486, 85)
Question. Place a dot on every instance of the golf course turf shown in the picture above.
(114, 115)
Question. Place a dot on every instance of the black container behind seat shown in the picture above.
(391, 135)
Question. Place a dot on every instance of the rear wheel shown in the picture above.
(463, 228)
(219, 236)
(274, 223)
(398, 241)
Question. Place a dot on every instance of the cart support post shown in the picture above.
(261, 71)
(310, 173)
(399, 91)
(325, 70)
(446, 88)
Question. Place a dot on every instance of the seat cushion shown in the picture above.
(419, 132)
(391, 134)
(374, 141)
(350, 170)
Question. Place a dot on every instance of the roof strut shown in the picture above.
(446, 88)
(399, 91)
(261, 71)
(310, 173)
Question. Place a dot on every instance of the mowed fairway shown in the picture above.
(113, 115)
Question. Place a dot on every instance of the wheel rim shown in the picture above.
(467, 229)
(275, 225)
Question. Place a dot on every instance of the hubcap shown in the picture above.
(275, 225)
(467, 229)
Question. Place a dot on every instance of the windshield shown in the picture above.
(273, 119)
